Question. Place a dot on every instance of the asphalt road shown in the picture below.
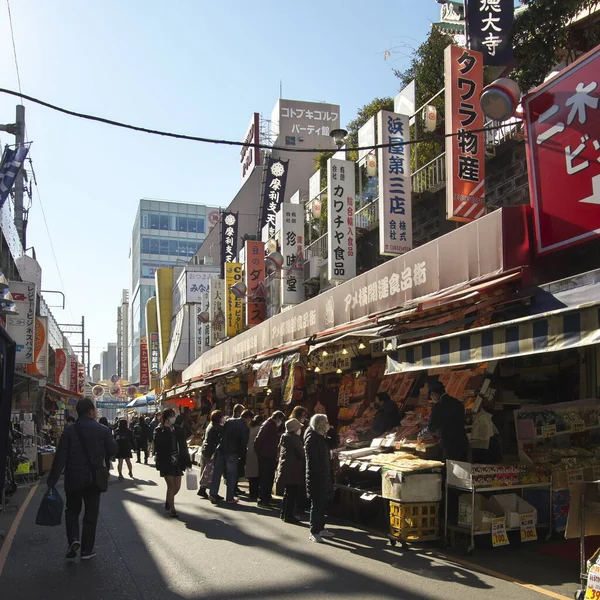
(224, 553)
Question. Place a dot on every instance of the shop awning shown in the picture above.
(142, 401)
(60, 391)
(372, 332)
(181, 351)
(534, 334)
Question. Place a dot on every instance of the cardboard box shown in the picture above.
(512, 506)
(484, 512)
(423, 487)
(591, 496)
(45, 461)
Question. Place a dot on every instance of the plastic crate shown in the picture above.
(414, 522)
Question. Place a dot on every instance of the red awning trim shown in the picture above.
(56, 389)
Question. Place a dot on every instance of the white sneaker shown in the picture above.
(327, 534)
(315, 538)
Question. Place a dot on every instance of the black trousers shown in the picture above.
(139, 449)
(253, 487)
(266, 475)
(317, 514)
(75, 499)
(290, 499)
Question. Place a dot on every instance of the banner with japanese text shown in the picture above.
(21, 327)
(465, 144)
(341, 240)
(80, 378)
(154, 353)
(73, 374)
(234, 307)
(203, 326)
(216, 302)
(229, 237)
(144, 364)
(292, 250)
(60, 361)
(489, 26)
(273, 192)
(395, 186)
(255, 282)
(39, 367)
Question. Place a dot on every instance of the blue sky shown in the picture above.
(187, 66)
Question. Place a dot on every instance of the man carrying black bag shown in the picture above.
(81, 453)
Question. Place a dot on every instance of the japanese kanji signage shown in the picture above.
(234, 307)
(21, 327)
(73, 374)
(465, 151)
(255, 282)
(80, 378)
(292, 250)
(563, 153)
(229, 236)
(217, 311)
(203, 327)
(489, 27)
(297, 123)
(341, 240)
(273, 193)
(154, 353)
(395, 189)
(197, 284)
(39, 367)
(250, 155)
(144, 365)
(61, 363)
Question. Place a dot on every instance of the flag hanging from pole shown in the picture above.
(12, 162)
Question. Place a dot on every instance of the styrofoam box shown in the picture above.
(512, 506)
(459, 474)
(424, 487)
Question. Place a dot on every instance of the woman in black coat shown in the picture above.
(319, 480)
(290, 471)
(171, 456)
(212, 439)
(124, 439)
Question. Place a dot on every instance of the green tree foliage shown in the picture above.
(542, 37)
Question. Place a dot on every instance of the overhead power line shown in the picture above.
(193, 138)
(12, 34)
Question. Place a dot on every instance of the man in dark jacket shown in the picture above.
(387, 416)
(141, 434)
(230, 452)
(71, 456)
(448, 419)
(265, 446)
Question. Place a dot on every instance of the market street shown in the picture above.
(219, 552)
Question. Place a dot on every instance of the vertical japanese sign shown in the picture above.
(203, 327)
(197, 284)
(21, 327)
(292, 250)
(563, 154)
(217, 311)
(273, 193)
(395, 187)
(73, 374)
(250, 154)
(61, 363)
(489, 27)
(39, 366)
(229, 237)
(255, 282)
(234, 307)
(144, 366)
(465, 151)
(154, 353)
(80, 378)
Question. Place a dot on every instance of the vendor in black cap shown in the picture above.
(448, 420)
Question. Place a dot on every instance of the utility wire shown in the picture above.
(193, 138)
(12, 33)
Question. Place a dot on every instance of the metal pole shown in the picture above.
(83, 341)
(89, 362)
(20, 140)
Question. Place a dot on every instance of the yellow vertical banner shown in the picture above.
(234, 308)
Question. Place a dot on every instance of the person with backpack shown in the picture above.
(81, 453)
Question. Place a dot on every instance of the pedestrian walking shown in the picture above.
(319, 480)
(230, 453)
(124, 439)
(251, 470)
(291, 469)
(211, 441)
(265, 446)
(154, 423)
(82, 450)
(172, 457)
(301, 414)
(141, 434)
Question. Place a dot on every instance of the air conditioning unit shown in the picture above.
(312, 269)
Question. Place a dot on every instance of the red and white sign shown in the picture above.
(61, 363)
(563, 154)
(73, 375)
(465, 150)
(254, 271)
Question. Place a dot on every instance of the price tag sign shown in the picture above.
(578, 425)
(592, 591)
(499, 536)
(548, 431)
(528, 530)
(575, 476)
(375, 468)
(364, 466)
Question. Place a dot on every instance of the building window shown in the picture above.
(154, 246)
(145, 245)
(154, 221)
(290, 140)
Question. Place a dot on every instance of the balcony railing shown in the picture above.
(317, 248)
(507, 130)
(367, 217)
(430, 177)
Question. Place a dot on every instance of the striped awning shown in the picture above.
(549, 332)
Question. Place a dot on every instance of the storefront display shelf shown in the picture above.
(473, 491)
(559, 433)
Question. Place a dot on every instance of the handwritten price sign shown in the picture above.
(548, 431)
(499, 537)
(528, 530)
(577, 426)
(592, 591)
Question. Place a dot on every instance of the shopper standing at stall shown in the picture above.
(387, 416)
(172, 457)
(448, 421)
(251, 470)
(319, 480)
(291, 469)
(211, 441)
(265, 446)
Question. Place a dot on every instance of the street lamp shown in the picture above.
(339, 137)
